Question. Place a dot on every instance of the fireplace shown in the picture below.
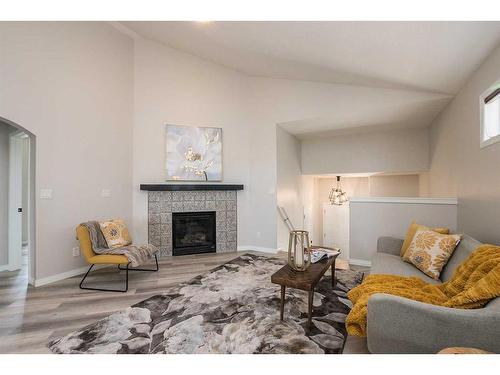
(193, 232)
(165, 200)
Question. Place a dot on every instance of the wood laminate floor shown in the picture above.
(30, 317)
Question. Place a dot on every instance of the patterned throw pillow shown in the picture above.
(116, 233)
(411, 233)
(429, 251)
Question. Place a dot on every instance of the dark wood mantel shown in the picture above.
(190, 187)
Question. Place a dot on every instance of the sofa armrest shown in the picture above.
(389, 245)
(401, 325)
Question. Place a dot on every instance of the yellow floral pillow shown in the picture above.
(116, 233)
(411, 233)
(429, 251)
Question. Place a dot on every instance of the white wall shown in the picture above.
(4, 193)
(395, 186)
(278, 101)
(91, 95)
(71, 84)
(353, 186)
(178, 88)
(356, 187)
(404, 150)
(372, 218)
(312, 211)
(289, 181)
(459, 167)
(172, 87)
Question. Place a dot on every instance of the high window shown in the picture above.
(490, 115)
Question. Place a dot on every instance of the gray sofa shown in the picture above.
(401, 325)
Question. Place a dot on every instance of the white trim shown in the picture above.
(9, 267)
(31, 198)
(491, 140)
(345, 249)
(257, 248)
(125, 30)
(360, 262)
(445, 201)
(15, 200)
(66, 275)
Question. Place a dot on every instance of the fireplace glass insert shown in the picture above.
(193, 233)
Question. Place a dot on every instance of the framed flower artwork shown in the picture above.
(193, 153)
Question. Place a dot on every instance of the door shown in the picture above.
(308, 224)
(16, 144)
(336, 227)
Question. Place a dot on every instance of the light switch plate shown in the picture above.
(45, 193)
(106, 193)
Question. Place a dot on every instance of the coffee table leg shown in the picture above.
(333, 273)
(310, 309)
(282, 307)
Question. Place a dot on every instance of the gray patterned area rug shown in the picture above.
(233, 308)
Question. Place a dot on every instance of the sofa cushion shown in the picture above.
(465, 247)
(393, 265)
(108, 259)
(389, 245)
(494, 305)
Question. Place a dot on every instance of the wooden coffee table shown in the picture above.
(305, 280)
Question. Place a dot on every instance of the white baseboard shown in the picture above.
(8, 267)
(360, 262)
(65, 275)
(355, 262)
(4, 267)
(257, 248)
(80, 271)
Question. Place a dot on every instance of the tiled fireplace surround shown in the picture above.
(161, 204)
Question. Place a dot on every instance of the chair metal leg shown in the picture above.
(102, 289)
(143, 269)
(127, 268)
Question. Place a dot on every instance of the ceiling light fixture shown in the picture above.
(337, 196)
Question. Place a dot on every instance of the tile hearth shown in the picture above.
(161, 204)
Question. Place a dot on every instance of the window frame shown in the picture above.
(487, 142)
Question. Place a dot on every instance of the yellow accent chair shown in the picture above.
(92, 258)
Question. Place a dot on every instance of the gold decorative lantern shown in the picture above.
(298, 246)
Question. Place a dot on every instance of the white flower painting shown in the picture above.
(194, 153)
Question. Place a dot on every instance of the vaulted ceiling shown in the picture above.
(431, 59)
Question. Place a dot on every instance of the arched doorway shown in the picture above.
(17, 203)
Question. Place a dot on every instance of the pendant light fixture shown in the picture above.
(337, 196)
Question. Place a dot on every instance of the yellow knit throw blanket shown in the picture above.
(473, 284)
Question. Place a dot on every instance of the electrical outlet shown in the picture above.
(105, 193)
(45, 193)
(259, 234)
(76, 251)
